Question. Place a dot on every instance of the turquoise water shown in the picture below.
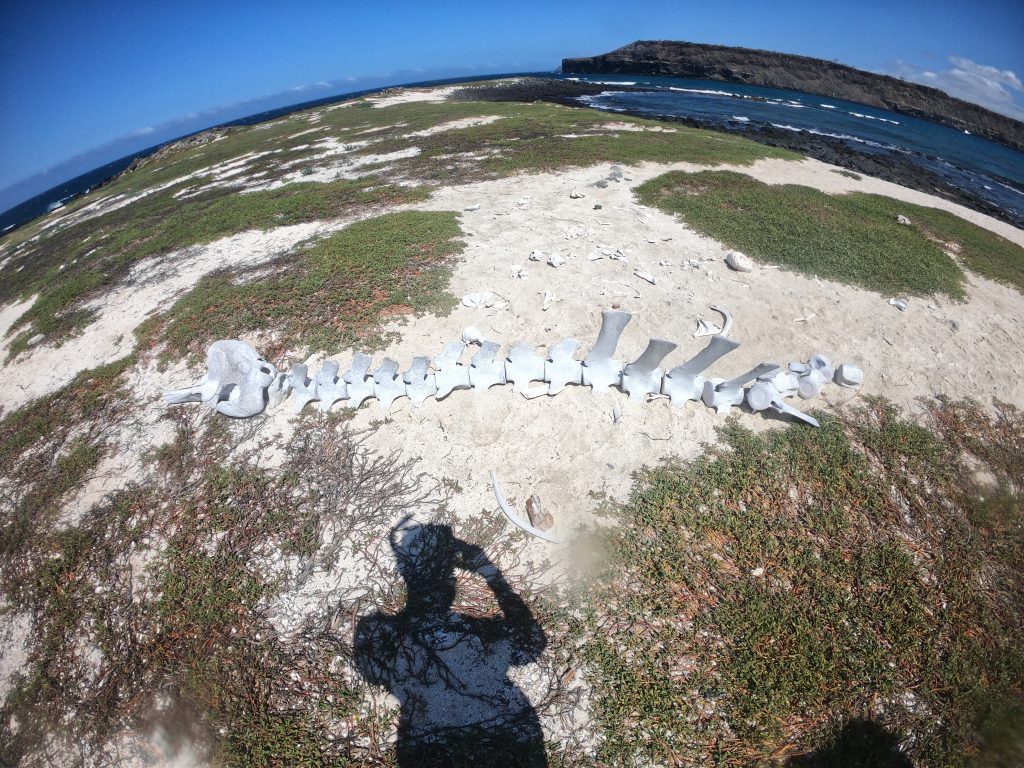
(989, 170)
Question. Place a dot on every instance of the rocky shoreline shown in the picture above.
(898, 169)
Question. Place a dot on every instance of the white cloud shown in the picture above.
(143, 131)
(997, 89)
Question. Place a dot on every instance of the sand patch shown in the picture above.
(409, 95)
(455, 125)
(9, 315)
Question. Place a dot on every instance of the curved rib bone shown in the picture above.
(684, 382)
(487, 369)
(515, 519)
(642, 376)
(728, 319)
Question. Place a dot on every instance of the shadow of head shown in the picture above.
(427, 557)
(860, 744)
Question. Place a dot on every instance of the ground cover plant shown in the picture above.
(788, 587)
(854, 238)
(67, 264)
(332, 294)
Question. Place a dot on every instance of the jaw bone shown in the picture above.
(599, 369)
(684, 382)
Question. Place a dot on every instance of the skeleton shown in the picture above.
(240, 383)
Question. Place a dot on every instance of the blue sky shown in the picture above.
(88, 82)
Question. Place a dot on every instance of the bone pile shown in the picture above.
(241, 383)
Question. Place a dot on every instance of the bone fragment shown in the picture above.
(518, 521)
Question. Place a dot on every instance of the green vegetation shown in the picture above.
(789, 583)
(853, 238)
(333, 294)
(159, 224)
(847, 174)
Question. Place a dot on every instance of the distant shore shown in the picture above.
(900, 170)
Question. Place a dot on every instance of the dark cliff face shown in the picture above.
(801, 73)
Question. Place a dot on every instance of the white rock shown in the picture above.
(576, 195)
(757, 573)
(901, 219)
(554, 260)
(474, 207)
(900, 304)
(739, 262)
(849, 375)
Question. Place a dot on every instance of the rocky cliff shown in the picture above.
(801, 73)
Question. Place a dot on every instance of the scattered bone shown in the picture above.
(727, 316)
(554, 260)
(594, 256)
(704, 328)
(576, 195)
(848, 375)
(484, 300)
(474, 207)
(616, 414)
(518, 271)
(537, 256)
(900, 304)
(739, 262)
(646, 276)
(901, 219)
(549, 299)
(472, 335)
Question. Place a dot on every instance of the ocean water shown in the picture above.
(989, 170)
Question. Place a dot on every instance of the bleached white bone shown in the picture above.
(328, 390)
(419, 384)
(357, 377)
(515, 519)
(523, 365)
(848, 375)
(643, 376)
(388, 386)
(764, 395)
(599, 369)
(722, 394)
(450, 375)
(303, 388)
(727, 315)
(236, 375)
(486, 369)
(561, 368)
(684, 382)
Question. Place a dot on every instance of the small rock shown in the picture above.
(35, 339)
(474, 207)
(538, 518)
(597, 207)
(901, 219)
(537, 256)
(900, 304)
(757, 573)
(576, 195)
(554, 260)
(954, 325)
(518, 271)
(739, 262)
(601, 184)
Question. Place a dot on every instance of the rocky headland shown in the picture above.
(770, 69)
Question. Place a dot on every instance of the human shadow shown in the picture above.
(449, 670)
(860, 744)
